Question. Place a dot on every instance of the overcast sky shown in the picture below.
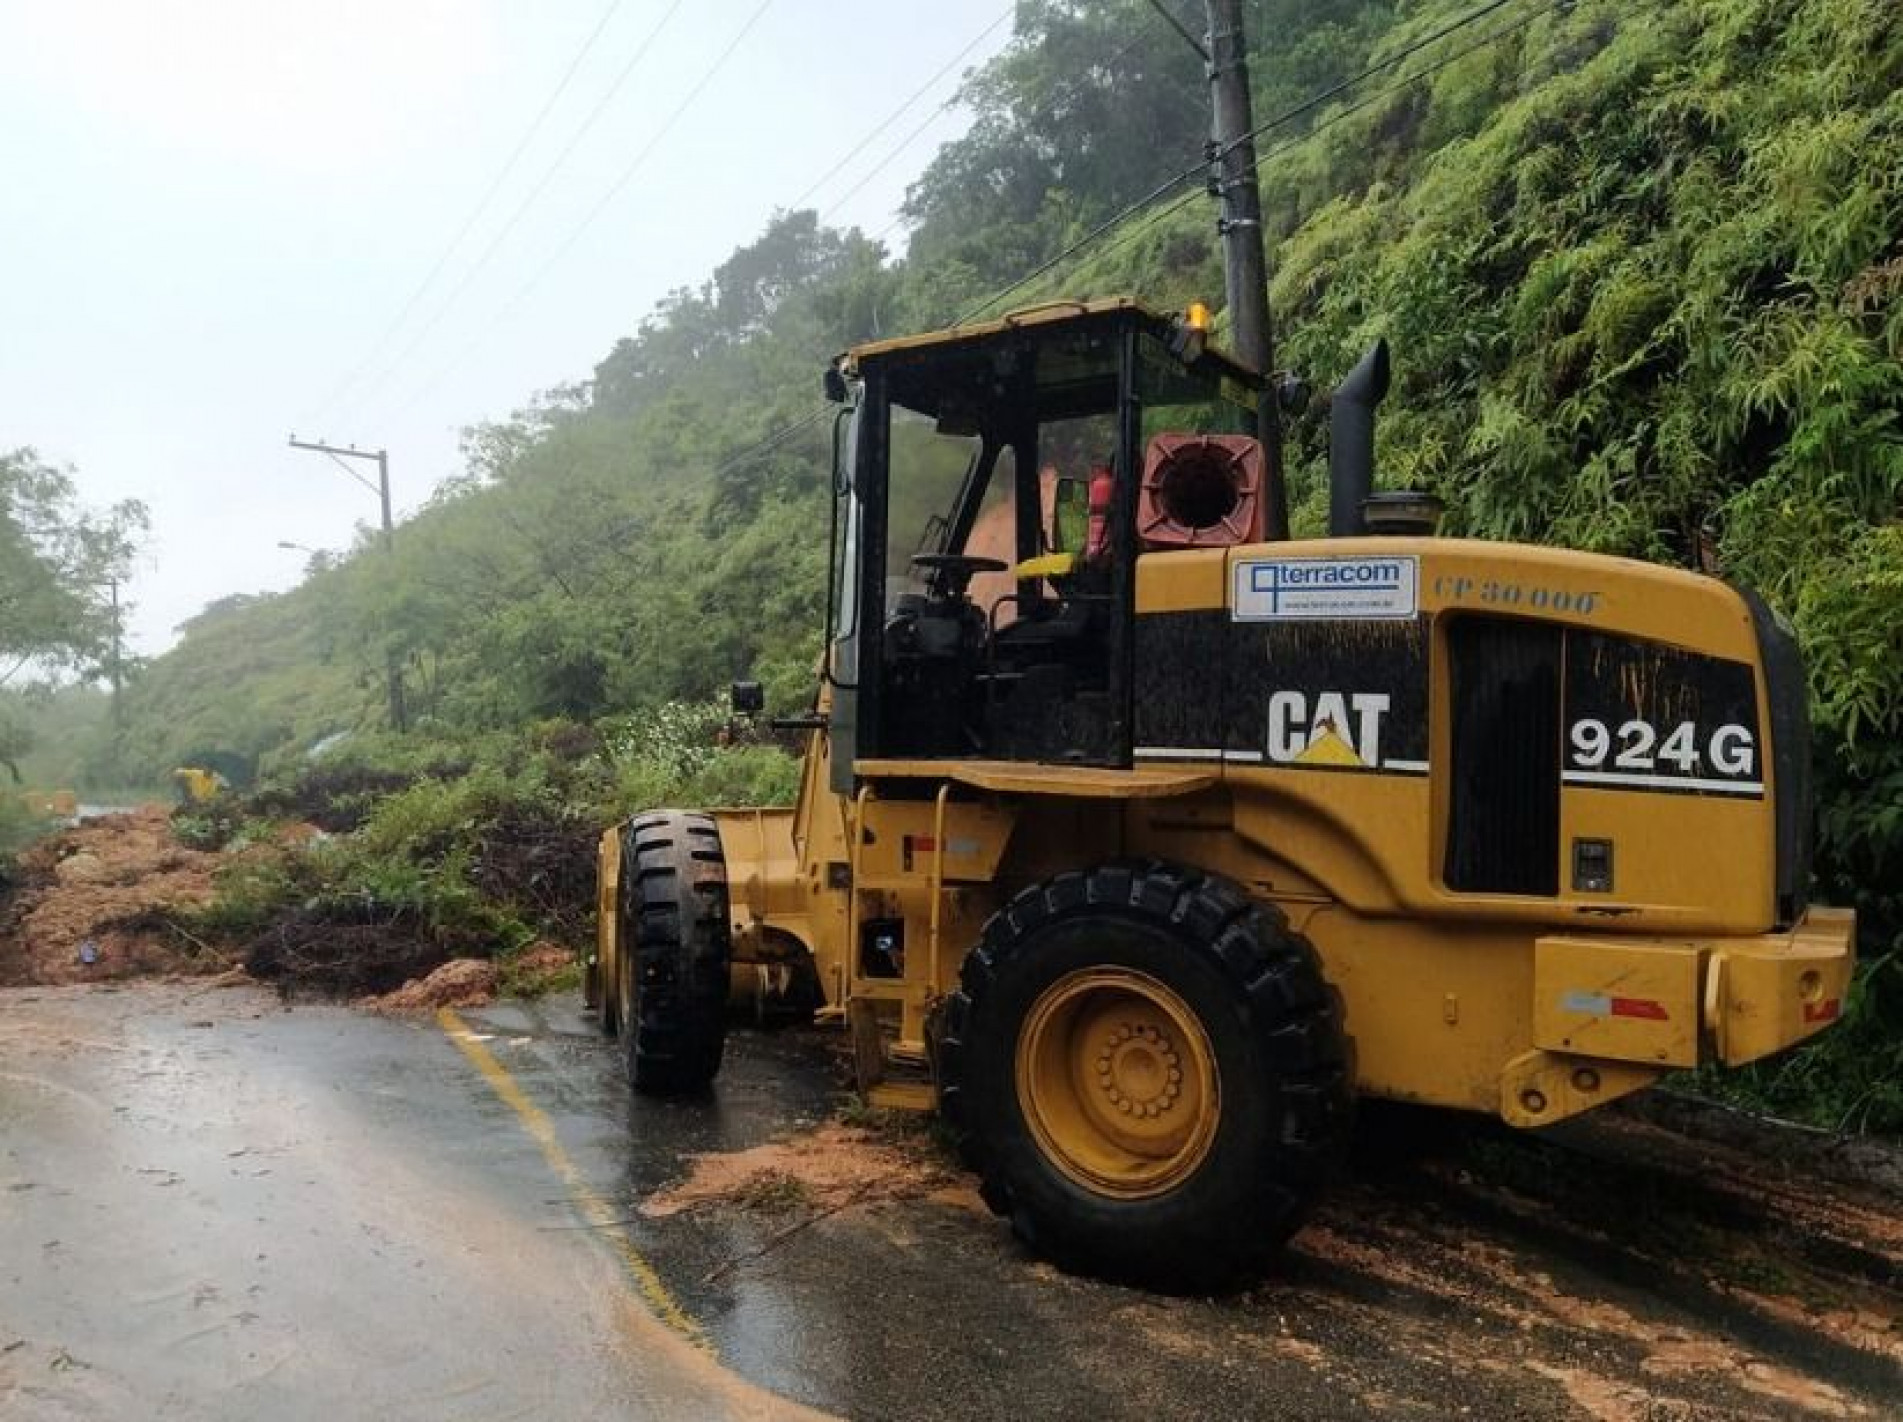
(214, 212)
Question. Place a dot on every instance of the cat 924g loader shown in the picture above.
(1141, 846)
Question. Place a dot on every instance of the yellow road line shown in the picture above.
(593, 1209)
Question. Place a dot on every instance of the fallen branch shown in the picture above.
(774, 1241)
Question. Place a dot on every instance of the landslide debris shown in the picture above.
(825, 1169)
(150, 892)
(346, 949)
(472, 982)
(109, 890)
(461, 982)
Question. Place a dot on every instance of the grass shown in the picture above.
(772, 1192)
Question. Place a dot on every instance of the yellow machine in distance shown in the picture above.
(198, 785)
(1142, 857)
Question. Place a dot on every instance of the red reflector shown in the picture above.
(1829, 1010)
(1642, 1007)
(921, 842)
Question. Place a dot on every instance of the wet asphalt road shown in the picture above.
(212, 1207)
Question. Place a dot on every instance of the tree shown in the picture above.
(58, 563)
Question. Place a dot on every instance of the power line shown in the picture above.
(1451, 27)
(1287, 116)
(900, 111)
(772, 441)
(1425, 73)
(933, 117)
(1189, 39)
(522, 208)
(1075, 87)
(594, 213)
(1070, 90)
(830, 173)
(495, 186)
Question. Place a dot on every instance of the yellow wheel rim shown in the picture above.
(1117, 1082)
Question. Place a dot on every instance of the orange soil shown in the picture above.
(80, 883)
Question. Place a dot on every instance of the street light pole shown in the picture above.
(399, 715)
(115, 659)
(118, 656)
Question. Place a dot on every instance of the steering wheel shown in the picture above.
(954, 571)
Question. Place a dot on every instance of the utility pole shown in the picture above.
(1244, 260)
(116, 669)
(399, 715)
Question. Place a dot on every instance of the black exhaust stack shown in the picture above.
(1351, 441)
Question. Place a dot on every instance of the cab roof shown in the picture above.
(1049, 313)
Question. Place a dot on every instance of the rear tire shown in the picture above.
(1149, 1074)
(673, 946)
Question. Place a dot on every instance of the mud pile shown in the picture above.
(99, 900)
(826, 1169)
(461, 982)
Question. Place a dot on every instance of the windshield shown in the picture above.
(980, 441)
(929, 466)
(1179, 400)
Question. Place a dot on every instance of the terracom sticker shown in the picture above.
(1289, 589)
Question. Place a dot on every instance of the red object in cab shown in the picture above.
(1097, 536)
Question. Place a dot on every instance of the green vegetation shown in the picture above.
(1643, 273)
(427, 849)
(60, 569)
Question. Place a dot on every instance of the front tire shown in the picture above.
(1149, 1074)
(672, 950)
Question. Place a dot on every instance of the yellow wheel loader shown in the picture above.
(1141, 846)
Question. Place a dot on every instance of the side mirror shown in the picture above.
(747, 698)
(835, 385)
(1291, 393)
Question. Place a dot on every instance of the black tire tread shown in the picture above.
(1297, 1022)
(675, 938)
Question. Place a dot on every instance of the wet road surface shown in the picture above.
(211, 1207)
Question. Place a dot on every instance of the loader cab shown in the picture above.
(992, 506)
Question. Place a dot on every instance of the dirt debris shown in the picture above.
(1756, 1269)
(539, 968)
(104, 890)
(1783, 1385)
(461, 982)
(827, 1168)
(475, 982)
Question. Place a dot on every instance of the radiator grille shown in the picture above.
(1503, 826)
